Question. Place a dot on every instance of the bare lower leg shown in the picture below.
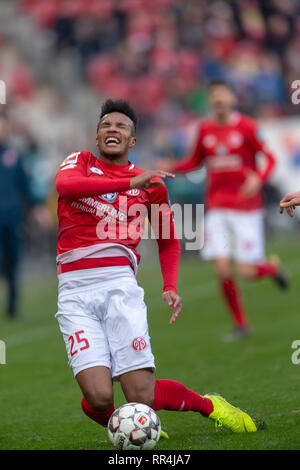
(223, 268)
(246, 271)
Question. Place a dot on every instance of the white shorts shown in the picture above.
(103, 319)
(238, 235)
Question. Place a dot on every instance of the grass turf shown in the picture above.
(40, 401)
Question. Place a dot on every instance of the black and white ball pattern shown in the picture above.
(134, 426)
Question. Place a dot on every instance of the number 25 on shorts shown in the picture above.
(78, 340)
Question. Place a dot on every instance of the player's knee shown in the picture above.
(99, 400)
(223, 275)
(223, 271)
(141, 394)
(245, 271)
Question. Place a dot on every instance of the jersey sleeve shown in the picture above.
(195, 159)
(260, 146)
(161, 219)
(72, 180)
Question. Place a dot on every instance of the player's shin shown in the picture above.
(174, 396)
(233, 300)
(101, 417)
(264, 270)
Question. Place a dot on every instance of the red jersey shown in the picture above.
(101, 220)
(229, 152)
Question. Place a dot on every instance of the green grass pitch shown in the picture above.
(40, 401)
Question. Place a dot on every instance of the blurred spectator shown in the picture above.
(16, 195)
(268, 85)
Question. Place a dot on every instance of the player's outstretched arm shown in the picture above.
(185, 165)
(144, 180)
(72, 181)
(289, 203)
(255, 180)
(76, 185)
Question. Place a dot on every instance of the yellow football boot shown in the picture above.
(281, 278)
(164, 435)
(228, 416)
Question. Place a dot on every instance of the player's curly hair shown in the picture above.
(220, 82)
(118, 106)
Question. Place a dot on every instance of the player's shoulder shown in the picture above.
(75, 158)
(206, 124)
(247, 121)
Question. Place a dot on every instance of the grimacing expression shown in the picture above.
(115, 135)
(222, 99)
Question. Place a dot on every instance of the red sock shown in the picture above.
(172, 395)
(101, 417)
(233, 299)
(265, 270)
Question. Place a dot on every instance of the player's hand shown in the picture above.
(289, 203)
(144, 180)
(252, 185)
(174, 302)
(166, 164)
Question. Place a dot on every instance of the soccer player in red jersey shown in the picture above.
(103, 203)
(228, 144)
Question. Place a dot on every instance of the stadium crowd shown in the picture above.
(160, 55)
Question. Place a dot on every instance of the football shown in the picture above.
(134, 426)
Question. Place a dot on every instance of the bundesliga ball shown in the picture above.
(134, 426)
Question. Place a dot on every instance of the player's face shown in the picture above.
(222, 100)
(115, 135)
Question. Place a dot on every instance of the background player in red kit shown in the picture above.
(228, 145)
(101, 311)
